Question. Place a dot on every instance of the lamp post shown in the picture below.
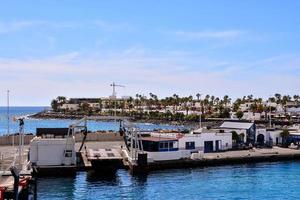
(200, 114)
(8, 118)
(270, 112)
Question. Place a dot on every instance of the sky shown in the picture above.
(78, 48)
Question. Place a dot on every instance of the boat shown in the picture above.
(148, 149)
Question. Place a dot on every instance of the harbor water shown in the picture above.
(252, 181)
(32, 124)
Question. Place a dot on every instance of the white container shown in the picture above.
(52, 151)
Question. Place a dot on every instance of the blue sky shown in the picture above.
(77, 48)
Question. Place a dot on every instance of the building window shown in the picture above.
(190, 145)
(68, 153)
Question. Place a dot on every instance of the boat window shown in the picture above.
(161, 145)
(171, 145)
(190, 145)
(166, 145)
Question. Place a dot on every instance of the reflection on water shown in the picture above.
(260, 181)
(56, 188)
(95, 178)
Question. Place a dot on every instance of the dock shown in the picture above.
(254, 155)
(105, 160)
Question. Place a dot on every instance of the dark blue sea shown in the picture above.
(32, 124)
(254, 181)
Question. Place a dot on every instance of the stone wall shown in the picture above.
(9, 140)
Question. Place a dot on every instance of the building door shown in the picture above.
(277, 141)
(208, 146)
(218, 145)
(260, 139)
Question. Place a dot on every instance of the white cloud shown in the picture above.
(37, 81)
(108, 26)
(199, 35)
(20, 25)
(13, 26)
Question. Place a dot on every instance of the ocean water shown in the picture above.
(274, 181)
(32, 124)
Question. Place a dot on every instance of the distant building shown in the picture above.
(245, 106)
(84, 100)
(292, 104)
(70, 106)
(251, 116)
(293, 110)
(248, 129)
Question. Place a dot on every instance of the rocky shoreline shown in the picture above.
(56, 115)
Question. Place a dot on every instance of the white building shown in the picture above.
(245, 106)
(174, 146)
(252, 116)
(245, 130)
(95, 105)
(70, 106)
(268, 136)
(293, 110)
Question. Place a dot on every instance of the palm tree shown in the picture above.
(239, 114)
(54, 105)
(284, 134)
(278, 98)
(61, 100)
(198, 95)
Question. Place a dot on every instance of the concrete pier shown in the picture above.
(222, 158)
(208, 159)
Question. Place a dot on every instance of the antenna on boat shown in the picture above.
(114, 97)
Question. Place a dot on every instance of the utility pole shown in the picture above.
(114, 96)
(270, 119)
(21, 140)
(200, 116)
(8, 118)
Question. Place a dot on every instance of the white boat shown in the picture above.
(173, 146)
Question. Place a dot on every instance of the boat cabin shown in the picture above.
(159, 144)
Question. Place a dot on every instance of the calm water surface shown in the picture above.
(32, 124)
(256, 181)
